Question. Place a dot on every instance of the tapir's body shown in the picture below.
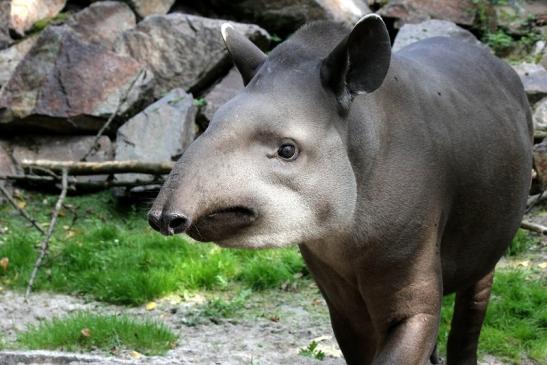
(399, 196)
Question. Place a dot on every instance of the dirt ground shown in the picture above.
(269, 330)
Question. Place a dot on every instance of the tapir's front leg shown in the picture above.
(405, 302)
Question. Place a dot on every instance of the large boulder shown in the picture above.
(102, 22)
(10, 57)
(410, 33)
(416, 11)
(285, 16)
(145, 8)
(534, 79)
(7, 167)
(159, 133)
(219, 94)
(62, 148)
(183, 50)
(5, 39)
(65, 83)
(540, 115)
(24, 13)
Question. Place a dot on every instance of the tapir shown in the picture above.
(401, 176)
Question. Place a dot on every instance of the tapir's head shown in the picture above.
(273, 167)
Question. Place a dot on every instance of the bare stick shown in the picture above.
(44, 245)
(105, 126)
(21, 210)
(82, 184)
(106, 167)
(533, 227)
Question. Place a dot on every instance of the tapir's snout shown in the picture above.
(213, 225)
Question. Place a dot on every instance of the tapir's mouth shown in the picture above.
(221, 224)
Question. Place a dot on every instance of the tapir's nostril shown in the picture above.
(154, 218)
(173, 223)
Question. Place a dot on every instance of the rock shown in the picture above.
(5, 39)
(415, 11)
(540, 161)
(534, 78)
(24, 13)
(7, 167)
(10, 57)
(102, 22)
(285, 16)
(62, 148)
(540, 115)
(65, 83)
(410, 33)
(219, 94)
(191, 53)
(159, 133)
(145, 8)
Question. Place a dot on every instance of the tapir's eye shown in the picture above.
(287, 151)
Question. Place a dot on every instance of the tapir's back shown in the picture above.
(474, 121)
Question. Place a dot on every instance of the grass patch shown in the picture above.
(86, 331)
(522, 242)
(516, 321)
(221, 308)
(112, 255)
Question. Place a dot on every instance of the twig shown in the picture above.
(533, 227)
(82, 184)
(106, 167)
(44, 245)
(22, 211)
(105, 126)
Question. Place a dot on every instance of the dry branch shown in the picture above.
(100, 168)
(44, 245)
(21, 210)
(533, 227)
(81, 184)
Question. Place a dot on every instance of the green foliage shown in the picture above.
(200, 102)
(220, 308)
(499, 41)
(85, 331)
(521, 243)
(112, 255)
(516, 320)
(46, 22)
(312, 351)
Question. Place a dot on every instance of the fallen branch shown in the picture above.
(533, 227)
(21, 210)
(44, 245)
(101, 168)
(105, 126)
(81, 184)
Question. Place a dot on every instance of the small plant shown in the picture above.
(312, 351)
(499, 41)
(220, 308)
(521, 243)
(85, 331)
(200, 102)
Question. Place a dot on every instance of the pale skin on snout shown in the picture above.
(384, 168)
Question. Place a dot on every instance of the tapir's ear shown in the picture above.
(360, 62)
(246, 56)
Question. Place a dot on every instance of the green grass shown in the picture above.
(86, 331)
(516, 320)
(522, 242)
(112, 255)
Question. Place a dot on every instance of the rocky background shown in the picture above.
(158, 69)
